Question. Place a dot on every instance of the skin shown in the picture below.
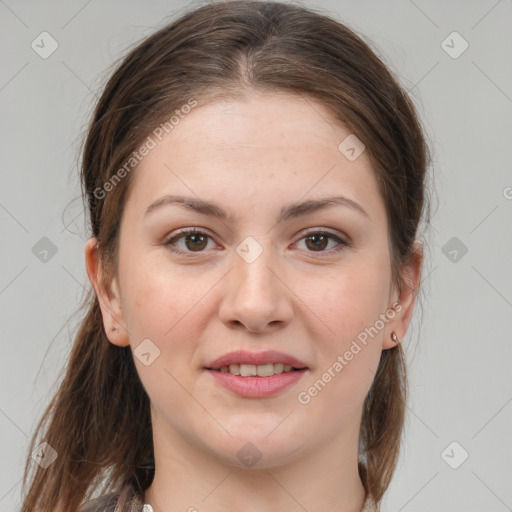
(252, 157)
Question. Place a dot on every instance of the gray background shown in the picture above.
(459, 349)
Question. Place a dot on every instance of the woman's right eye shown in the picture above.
(193, 240)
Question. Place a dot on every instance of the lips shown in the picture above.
(255, 358)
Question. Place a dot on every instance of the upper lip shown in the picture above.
(255, 358)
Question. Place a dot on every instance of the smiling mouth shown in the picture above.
(261, 370)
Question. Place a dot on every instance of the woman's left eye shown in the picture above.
(320, 239)
(197, 241)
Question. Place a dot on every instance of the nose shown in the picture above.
(256, 297)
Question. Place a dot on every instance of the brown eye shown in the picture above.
(318, 241)
(192, 241)
(197, 242)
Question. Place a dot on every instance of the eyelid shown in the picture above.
(187, 231)
(328, 231)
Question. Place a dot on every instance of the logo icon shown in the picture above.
(44, 45)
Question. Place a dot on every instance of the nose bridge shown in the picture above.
(252, 273)
(255, 297)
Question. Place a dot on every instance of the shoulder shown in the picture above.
(104, 503)
(126, 500)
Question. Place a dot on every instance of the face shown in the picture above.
(306, 283)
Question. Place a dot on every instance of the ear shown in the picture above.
(406, 299)
(108, 296)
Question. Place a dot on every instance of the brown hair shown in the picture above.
(222, 50)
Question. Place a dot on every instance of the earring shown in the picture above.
(394, 337)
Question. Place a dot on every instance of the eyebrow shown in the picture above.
(290, 211)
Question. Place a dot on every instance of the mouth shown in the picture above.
(256, 364)
(256, 374)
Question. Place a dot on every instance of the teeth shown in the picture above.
(251, 370)
(248, 370)
(265, 370)
(279, 368)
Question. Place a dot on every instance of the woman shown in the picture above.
(255, 178)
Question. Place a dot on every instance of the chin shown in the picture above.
(256, 449)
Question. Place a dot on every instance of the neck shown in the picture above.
(187, 478)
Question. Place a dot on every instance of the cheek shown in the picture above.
(351, 307)
(168, 309)
(352, 301)
(156, 298)
(161, 310)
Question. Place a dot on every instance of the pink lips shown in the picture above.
(256, 387)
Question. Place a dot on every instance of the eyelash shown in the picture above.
(193, 231)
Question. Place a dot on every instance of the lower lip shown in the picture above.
(257, 387)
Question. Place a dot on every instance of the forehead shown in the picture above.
(261, 147)
(277, 121)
